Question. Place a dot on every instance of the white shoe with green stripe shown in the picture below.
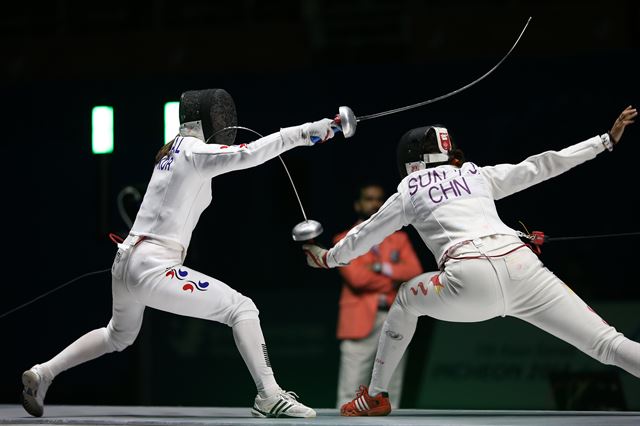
(281, 404)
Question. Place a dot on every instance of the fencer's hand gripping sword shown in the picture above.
(346, 121)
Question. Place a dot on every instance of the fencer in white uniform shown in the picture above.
(485, 269)
(148, 269)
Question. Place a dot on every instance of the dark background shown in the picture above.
(285, 63)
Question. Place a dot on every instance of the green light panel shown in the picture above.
(102, 130)
(171, 120)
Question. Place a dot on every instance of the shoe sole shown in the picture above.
(31, 381)
(260, 414)
(369, 413)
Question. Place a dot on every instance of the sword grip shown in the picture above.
(336, 129)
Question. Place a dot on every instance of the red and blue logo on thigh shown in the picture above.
(189, 285)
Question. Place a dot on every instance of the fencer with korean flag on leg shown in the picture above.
(148, 268)
(485, 269)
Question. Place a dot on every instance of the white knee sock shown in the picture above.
(92, 345)
(250, 343)
(396, 334)
(627, 357)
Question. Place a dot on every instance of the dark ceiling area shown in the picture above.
(118, 39)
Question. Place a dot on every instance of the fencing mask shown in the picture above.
(204, 112)
(423, 147)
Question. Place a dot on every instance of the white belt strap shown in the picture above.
(129, 242)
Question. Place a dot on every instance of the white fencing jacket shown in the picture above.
(180, 186)
(448, 205)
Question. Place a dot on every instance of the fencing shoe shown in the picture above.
(35, 384)
(281, 404)
(366, 405)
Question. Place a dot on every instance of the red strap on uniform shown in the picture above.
(115, 238)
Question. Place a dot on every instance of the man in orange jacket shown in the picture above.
(370, 284)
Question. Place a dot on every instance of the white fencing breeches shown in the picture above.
(484, 285)
(151, 274)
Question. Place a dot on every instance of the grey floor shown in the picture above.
(210, 416)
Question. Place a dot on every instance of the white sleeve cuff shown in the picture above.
(331, 261)
(294, 136)
(606, 141)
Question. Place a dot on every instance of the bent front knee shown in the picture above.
(401, 301)
(243, 309)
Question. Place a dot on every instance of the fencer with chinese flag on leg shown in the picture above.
(485, 269)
